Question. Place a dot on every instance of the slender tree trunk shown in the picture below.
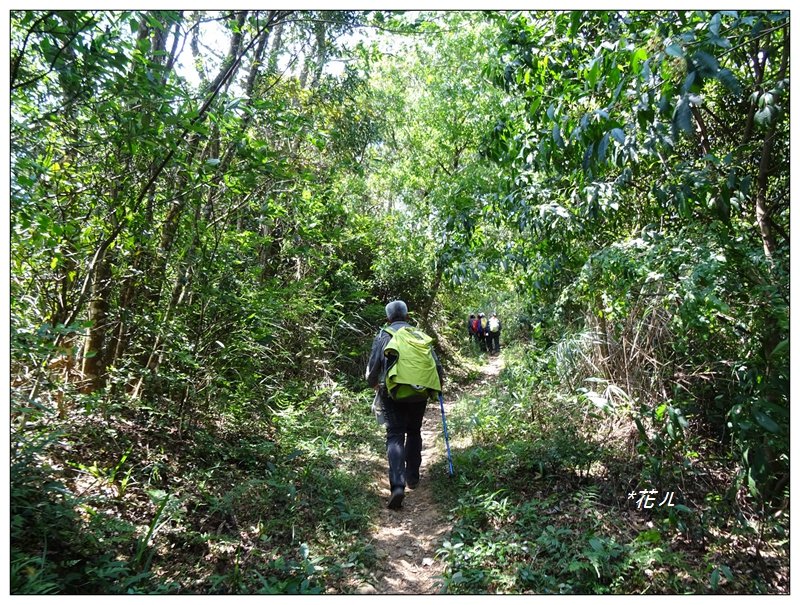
(171, 228)
(434, 292)
(603, 326)
(275, 50)
(772, 333)
(762, 210)
(321, 52)
(765, 165)
(94, 357)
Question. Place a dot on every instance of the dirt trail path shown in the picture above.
(406, 540)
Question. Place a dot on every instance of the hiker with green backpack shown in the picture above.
(404, 370)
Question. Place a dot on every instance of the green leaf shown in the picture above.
(156, 495)
(602, 148)
(719, 41)
(683, 115)
(641, 429)
(575, 21)
(756, 468)
(674, 50)
(557, 136)
(587, 157)
(766, 115)
(618, 134)
(707, 64)
(767, 423)
(651, 536)
(729, 81)
(637, 58)
(688, 82)
(594, 71)
(715, 575)
(780, 347)
(715, 23)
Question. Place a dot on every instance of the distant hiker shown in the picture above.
(476, 323)
(493, 336)
(471, 326)
(404, 389)
(483, 329)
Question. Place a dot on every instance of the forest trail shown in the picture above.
(406, 540)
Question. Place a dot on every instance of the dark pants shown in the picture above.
(403, 440)
(493, 340)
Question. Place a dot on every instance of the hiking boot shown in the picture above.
(412, 484)
(396, 499)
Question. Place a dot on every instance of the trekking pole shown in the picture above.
(446, 439)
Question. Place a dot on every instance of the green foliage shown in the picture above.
(293, 495)
(631, 208)
(399, 271)
(541, 501)
(56, 549)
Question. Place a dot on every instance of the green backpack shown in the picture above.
(413, 377)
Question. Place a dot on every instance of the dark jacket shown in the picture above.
(376, 366)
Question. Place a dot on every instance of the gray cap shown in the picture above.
(396, 310)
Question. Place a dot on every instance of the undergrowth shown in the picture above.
(111, 506)
(560, 493)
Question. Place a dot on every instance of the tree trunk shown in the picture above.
(765, 167)
(94, 358)
(603, 326)
(426, 310)
(274, 53)
(321, 52)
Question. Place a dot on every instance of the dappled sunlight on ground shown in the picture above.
(406, 540)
